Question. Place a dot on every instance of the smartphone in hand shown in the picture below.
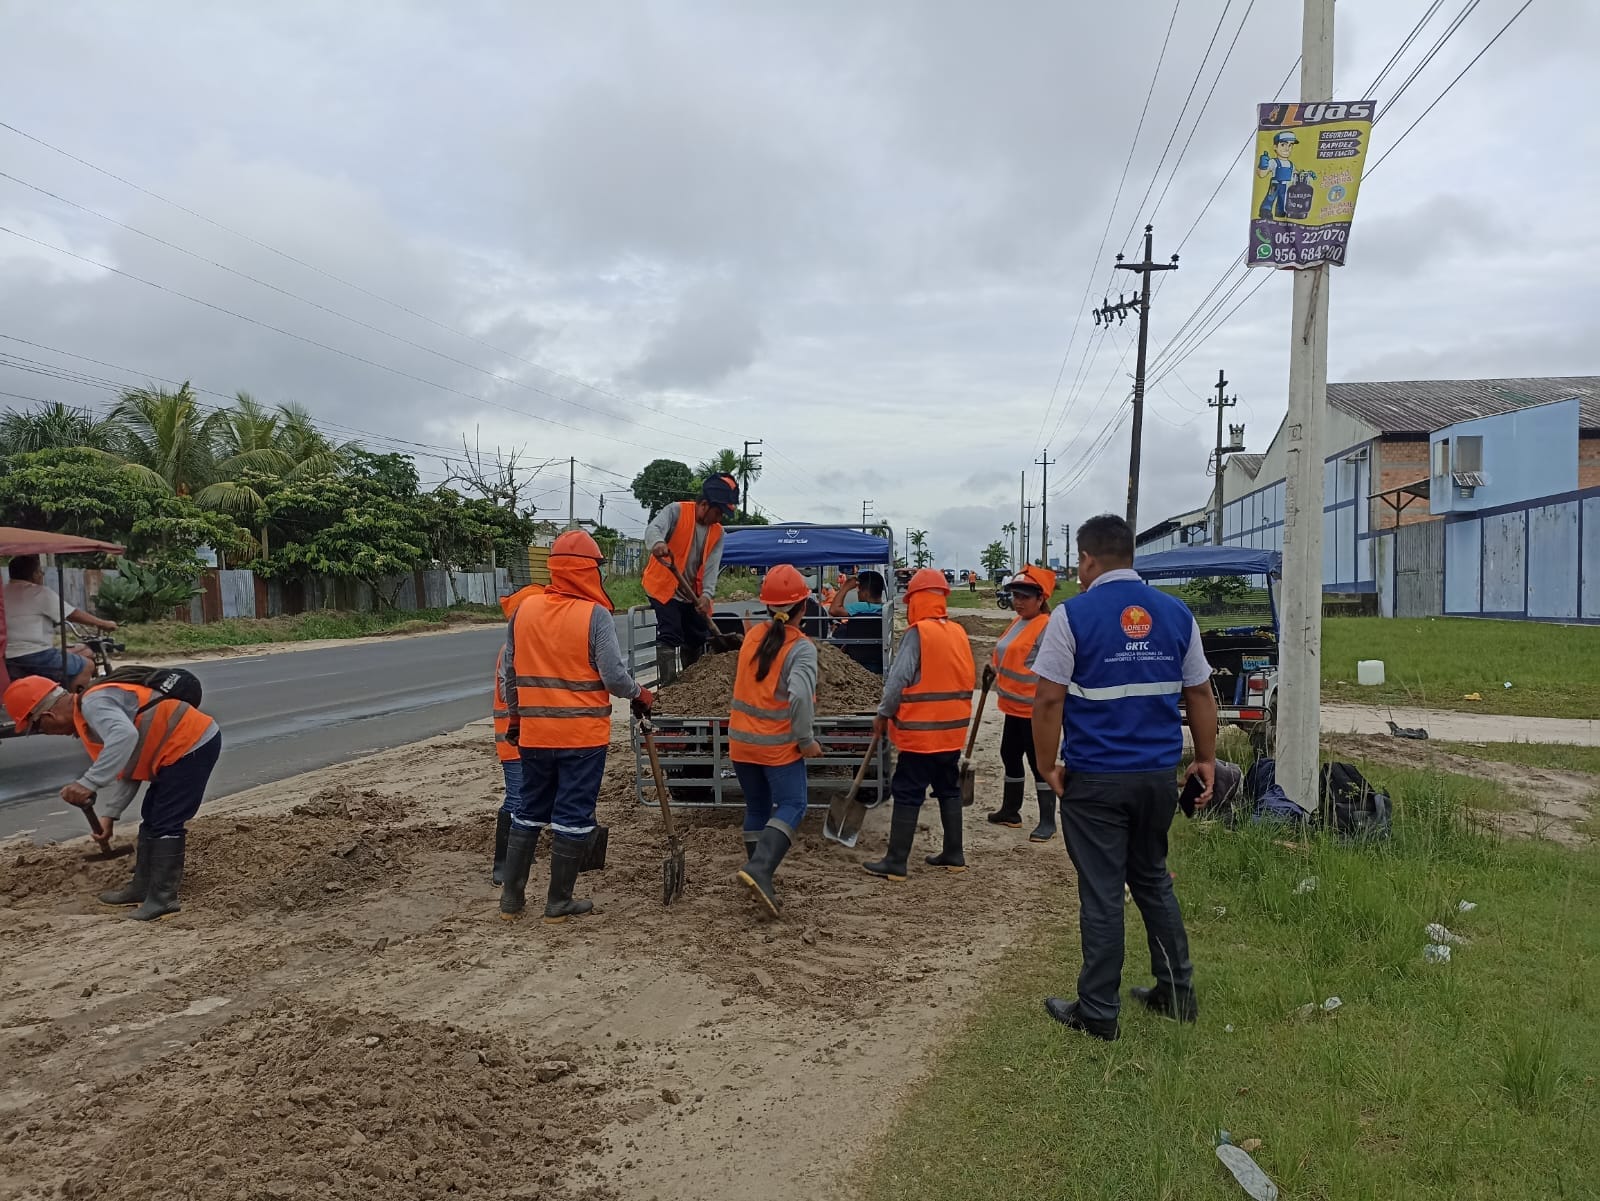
(1190, 796)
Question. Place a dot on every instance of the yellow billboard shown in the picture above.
(1308, 164)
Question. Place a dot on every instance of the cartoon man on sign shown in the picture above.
(1275, 204)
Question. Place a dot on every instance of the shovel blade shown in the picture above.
(833, 824)
(673, 873)
(850, 827)
(969, 784)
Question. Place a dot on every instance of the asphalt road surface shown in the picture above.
(282, 714)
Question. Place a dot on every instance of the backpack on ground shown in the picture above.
(168, 683)
(1351, 806)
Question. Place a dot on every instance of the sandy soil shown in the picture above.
(339, 1011)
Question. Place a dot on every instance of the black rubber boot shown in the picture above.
(1066, 1012)
(134, 890)
(757, 874)
(566, 854)
(1179, 1004)
(902, 833)
(520, 846)
(1009, 814)
(166, 873)
(666, 664)
(950, 858)
(751, 838)
(1045, 831)
(502, 833)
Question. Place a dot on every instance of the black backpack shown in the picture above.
(1351, 806)
(168, 683)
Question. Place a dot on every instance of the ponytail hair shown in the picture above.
(772, 640)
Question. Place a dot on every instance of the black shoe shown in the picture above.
(1179, 1004)
(166, 873)
(566, 856)
(1045, 831)
(1066, 1012)
(133, 892)
(902, 833)
(502, 832)
(757, 873)
(949, 857)
(1009, 814)
(520, 845)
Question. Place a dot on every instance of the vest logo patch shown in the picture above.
(1136, 622)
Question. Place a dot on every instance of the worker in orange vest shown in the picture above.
(505, 746)
(687, 535)
(134, 735)
(926, 707)
(561, 667)
(1011, 665)
(769, 729)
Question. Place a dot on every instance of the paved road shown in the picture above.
(285, 713)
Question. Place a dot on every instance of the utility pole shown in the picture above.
(1021, 559)
(744, 476)
(1045, 461)
(1027, 532)
(866, 510)
(1300, 666)
(572, 494)
(1221, 404)
(1141, 304)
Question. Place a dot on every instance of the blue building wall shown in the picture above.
(1527, 454)
(1256, 520)
(1537, 559)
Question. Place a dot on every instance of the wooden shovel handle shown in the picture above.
(972, 735)
(855, 785)
(661, 782)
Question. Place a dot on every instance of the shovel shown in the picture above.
(852, 812)
(715, 638)
(673, 872)
(969, 778)
(107, 850)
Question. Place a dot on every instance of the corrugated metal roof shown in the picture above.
(1250, 463)
(1422, 406)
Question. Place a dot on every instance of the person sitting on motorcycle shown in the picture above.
(32, 611)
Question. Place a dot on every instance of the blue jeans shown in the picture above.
(559, 789)
(53, 663)
(513, 773)
(916, 772)
(174, 796)
(773, 795)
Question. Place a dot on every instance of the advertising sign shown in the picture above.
(1308, 166)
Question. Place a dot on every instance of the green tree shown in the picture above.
(167, 437)
(53, 426)
(1010, 531)
(661, 482)
(343, 526)
(994, 558)
(921, 556)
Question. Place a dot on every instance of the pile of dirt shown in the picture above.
(844, 687)
(981, 625)
(303, 1100)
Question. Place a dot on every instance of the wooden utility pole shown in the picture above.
(1027, 532)
(744, 475)
(572, 494)
(1145, 269)
(1300, 644)
(1221, 404)
(1021, 560)
(1045, 462)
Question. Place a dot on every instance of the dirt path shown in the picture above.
(1459, 727)
(339, 1012)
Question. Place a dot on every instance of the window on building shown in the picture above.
(1441, 458)
(1469, 453)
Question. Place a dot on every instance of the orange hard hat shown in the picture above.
(27, 697)
(928, 579)
(783, 585)
(1038, 577)
(578, 543)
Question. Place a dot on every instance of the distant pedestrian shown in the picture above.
(1114, 662)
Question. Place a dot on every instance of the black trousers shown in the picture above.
(915, 774)
(1116, 831)
(678, 623)
(1016, 747)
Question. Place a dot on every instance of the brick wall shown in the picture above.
(1589, 461)
(1400, 463)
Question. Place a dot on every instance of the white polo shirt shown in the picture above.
(32, 611)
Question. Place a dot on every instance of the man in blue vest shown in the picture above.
(1112, 664)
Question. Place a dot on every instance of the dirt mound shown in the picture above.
(318, 1100)
(704, 690)
(984, 626)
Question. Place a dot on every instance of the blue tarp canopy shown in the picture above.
(1188, 562)
(801, 545)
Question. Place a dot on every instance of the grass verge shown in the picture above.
(1554, 670)
(1555, 755)
(1473, 1079)
(174, 637)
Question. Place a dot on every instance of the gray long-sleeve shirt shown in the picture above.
(797, 684)
(605, 656)
(904, 672)
(109, 713)
(661, 528)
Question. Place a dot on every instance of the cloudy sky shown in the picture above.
(859, 231)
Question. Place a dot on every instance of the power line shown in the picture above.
(1439, 43)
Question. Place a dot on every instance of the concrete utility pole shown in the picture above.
(572, 494)
(1044, 461)
(744, 476)
(1145, 269)
(1027, 531)
(1221, 404)
(1021, 560)
(1300, 650)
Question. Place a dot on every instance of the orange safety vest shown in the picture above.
(561, 700)
(505, 746)
(934, 712)
(1015, 682)
(758, 725)
(168, 730)
(659, 583)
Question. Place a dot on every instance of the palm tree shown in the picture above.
(919, 545)
(53, 426)
(728, 461)
(167, 438)
(1010, 531)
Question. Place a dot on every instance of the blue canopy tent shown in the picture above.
(802, 546)
(1193, 562)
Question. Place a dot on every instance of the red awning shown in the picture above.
(17, 541)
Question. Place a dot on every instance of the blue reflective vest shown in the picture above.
(1121, 711)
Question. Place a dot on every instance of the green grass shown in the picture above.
(1554, 670)
(1468, 1080)
(1555, 755)
(167, 637)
